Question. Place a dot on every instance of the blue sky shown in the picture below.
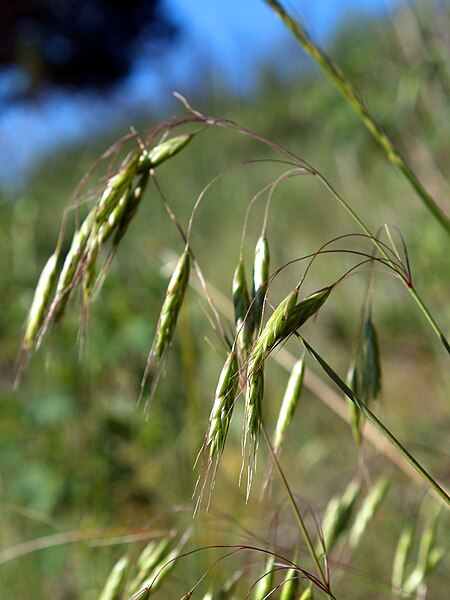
(224, 39)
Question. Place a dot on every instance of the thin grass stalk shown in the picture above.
(336, 75)
(439, 491)
(297, 514)
(408, 284)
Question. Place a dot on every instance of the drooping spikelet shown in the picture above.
(222, 409)
(289, 589)
(371, 503)
(114, 586)
(290, 401)
(164, 151)
(337, 515)
(260, 280)
(241, 302)
(166, 325)
(41, 302)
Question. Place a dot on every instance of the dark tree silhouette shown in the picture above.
(77, 44)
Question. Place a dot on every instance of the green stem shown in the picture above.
(343, 85)
(379, 425)
(296, 511)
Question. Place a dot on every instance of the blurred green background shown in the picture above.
(77, 458)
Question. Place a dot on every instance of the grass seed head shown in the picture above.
(304, 310)
(338, 513)
(115, 583)
(166, 323)
(241, 302)
(222, 410)
(290, 400)
(41, 302)
(253, 408)
(116, 186)
(367, 511)
(260, 279)
(165, 150)
(401, 557)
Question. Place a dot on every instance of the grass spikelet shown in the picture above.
(116, 186)
(241, 302)
(272, 332)
(165, 150)
(115, 583)
(265, 583)
(166, 325)
(370, 381)
(260, 279)
(355, 414)
(308, 594)
(290, 400)
(367, 511)
(252, 419)
(289, 589)
(429, 556)
(148, 560)
(131, 205)
(163, 567)
(284, 321)
(71, 262)
(41, 301)
(221, 412)
(401, 557)
(338, 513)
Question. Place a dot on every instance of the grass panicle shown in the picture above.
(222, 409)
(115, 584)
(370, 505)
(165, 327)
(241, 302)
(260, 280)
(338, 513)
(290, 401)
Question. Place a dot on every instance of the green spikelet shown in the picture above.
(367, 511)
(290, 400)
(260, 280)
(115, 583)
(222, 410)
(337, 515)
(164, 151)
(41, 302)
(241, 302)
(166, 325)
